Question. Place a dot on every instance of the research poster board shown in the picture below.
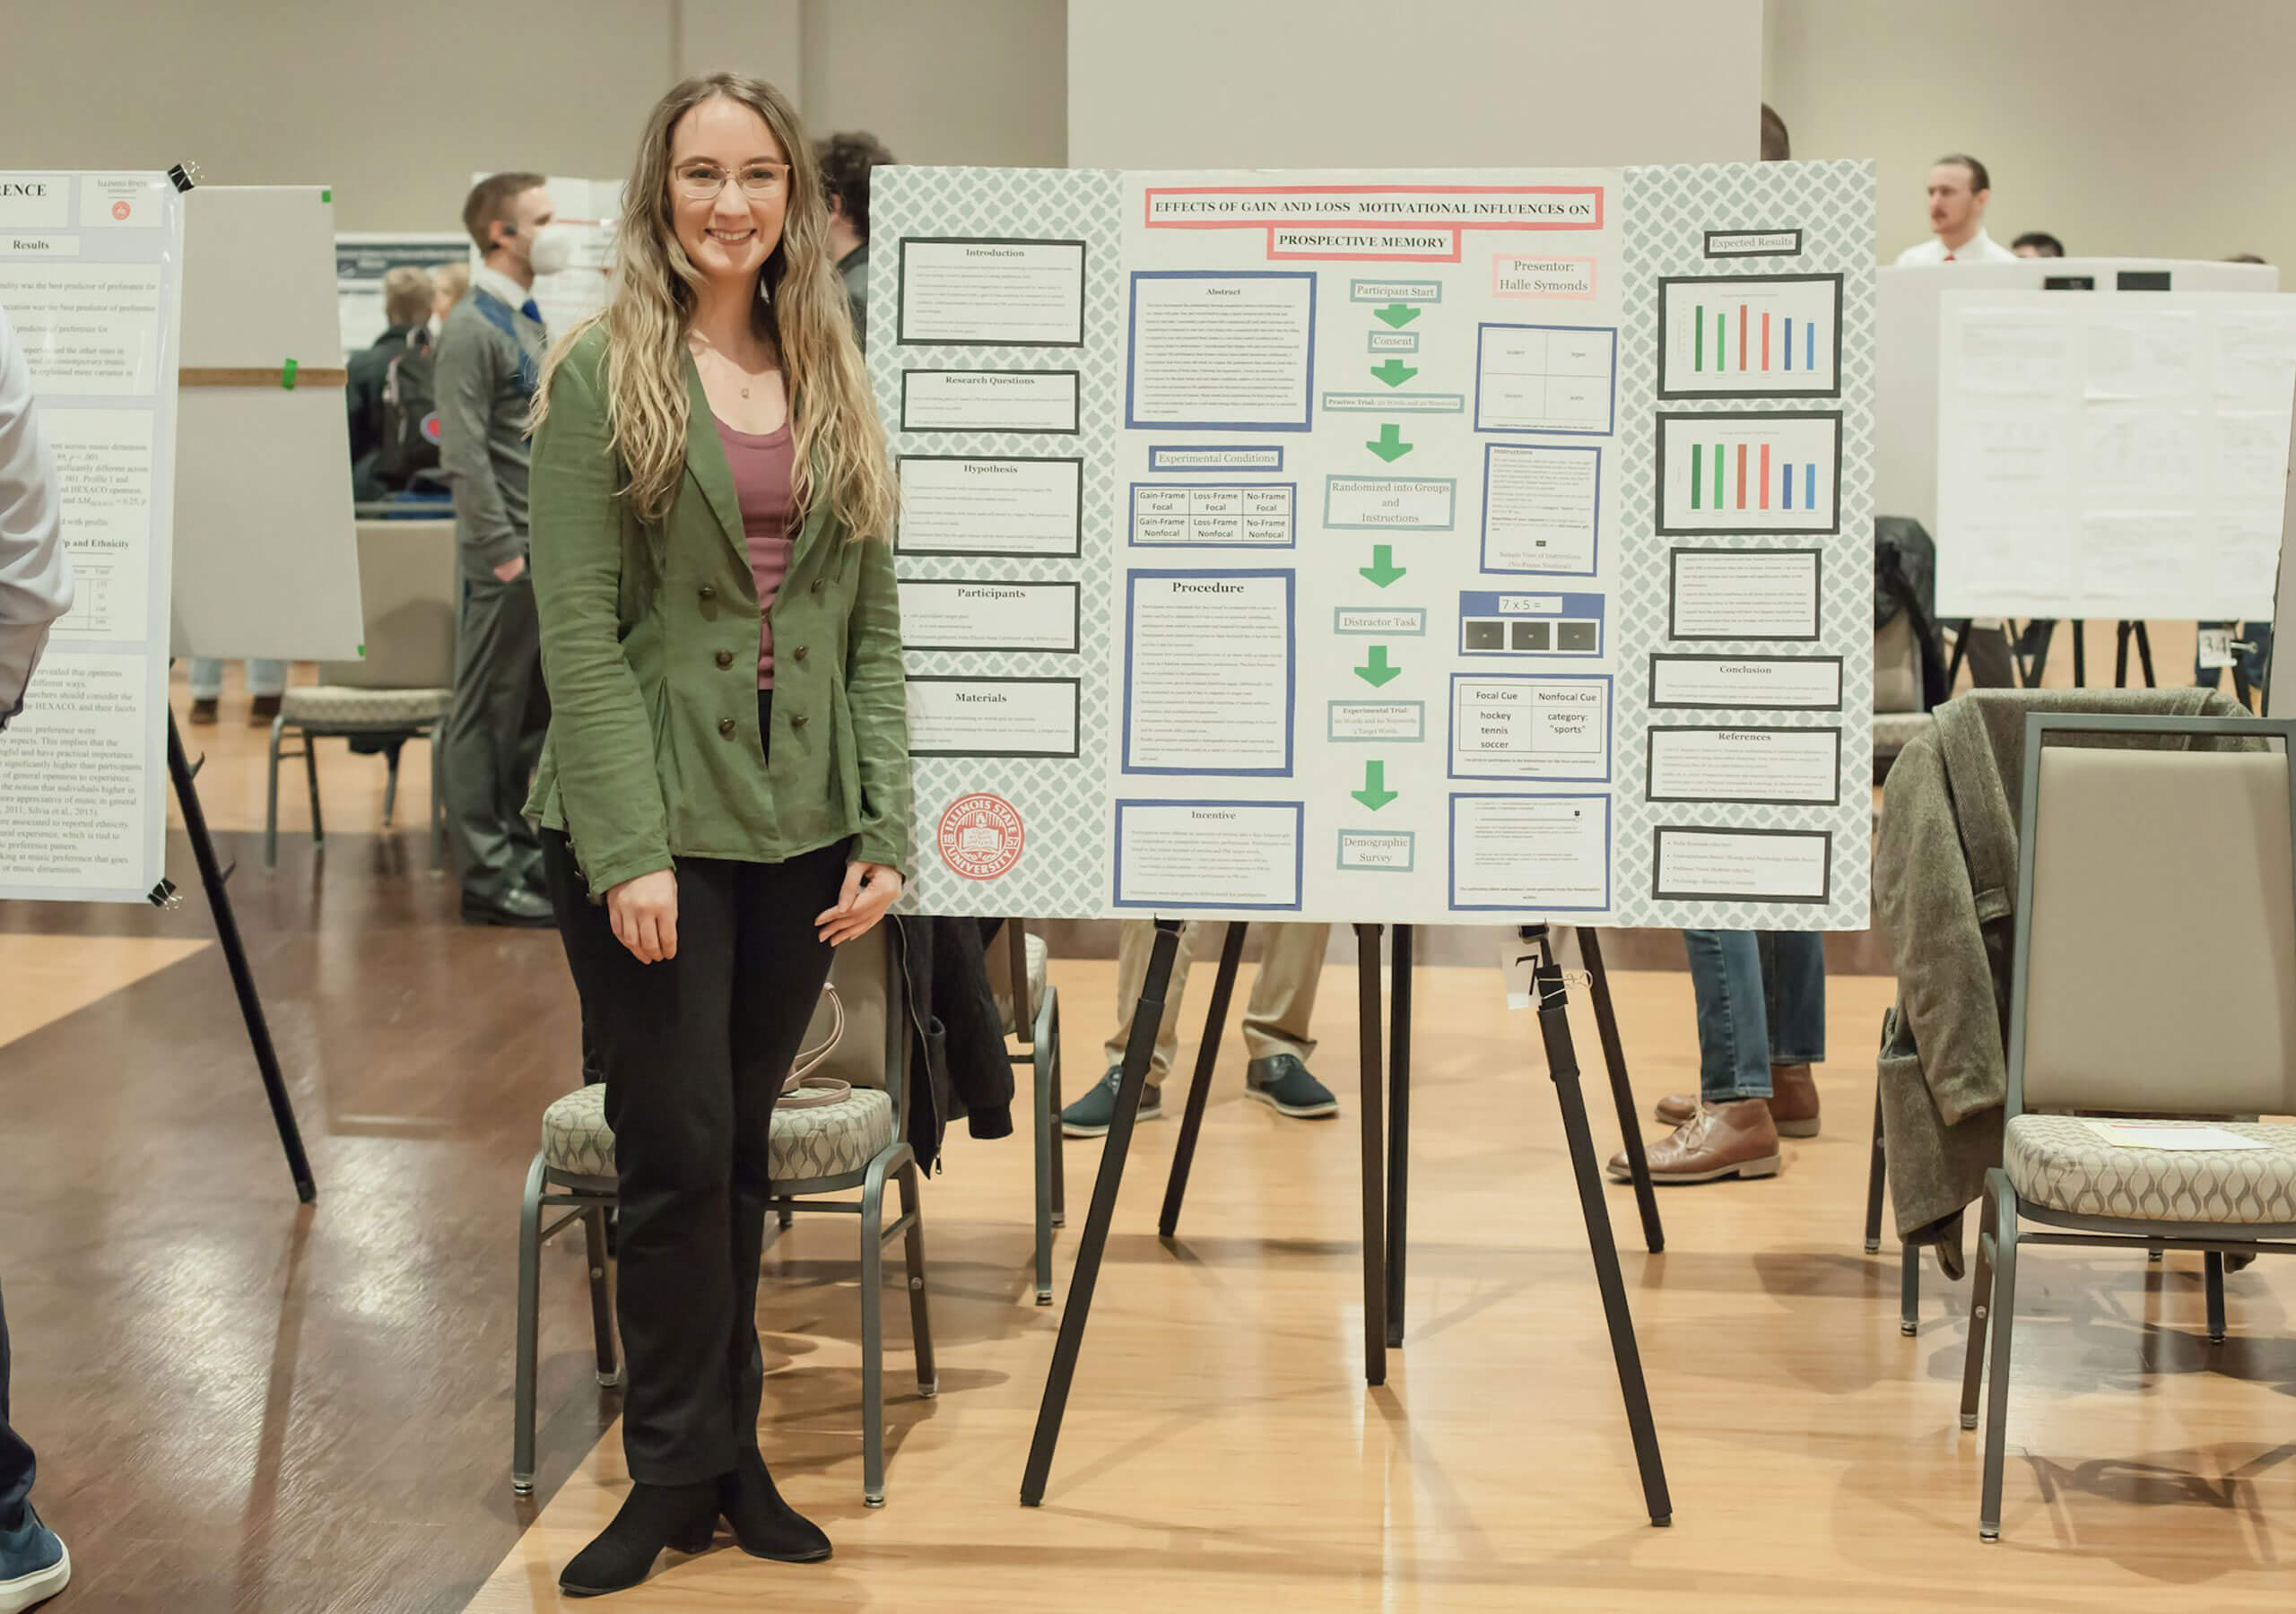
(362, 258)
(91, 277)
(1398, 546)
(267, 549)
(2112, 456)
(1909, 314)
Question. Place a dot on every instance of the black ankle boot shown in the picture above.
(765, 1525)
(652, 1517)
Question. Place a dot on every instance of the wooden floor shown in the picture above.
(240, 1405)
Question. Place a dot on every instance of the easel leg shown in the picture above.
(1398, 1123)
(1629, 1125)
(2080, 653)
(2145, 653)
(1960, 652)
(2036, 668)
(1562, 1067)
(235, 955)
(1130, 1082)
(1375, 1220)
(1207, 1055)
(2120, 655)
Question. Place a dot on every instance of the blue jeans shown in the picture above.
(1762, 1000)
(264, 677)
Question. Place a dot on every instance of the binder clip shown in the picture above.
(185, 175)
(164, 895)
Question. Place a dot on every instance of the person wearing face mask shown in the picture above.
(490, 356)
(724, 796)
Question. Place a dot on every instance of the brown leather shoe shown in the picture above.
(1794, 1100)
(1792, 1103)
(1737, 1139)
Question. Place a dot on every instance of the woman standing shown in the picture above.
(725, 794)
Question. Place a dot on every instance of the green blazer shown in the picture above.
(649, 648)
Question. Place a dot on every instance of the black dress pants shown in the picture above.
(16, 1466)
(695, 1050)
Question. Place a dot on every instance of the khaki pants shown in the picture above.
(1283, 1000)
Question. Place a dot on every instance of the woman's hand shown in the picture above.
(870, 889)
(645, 915)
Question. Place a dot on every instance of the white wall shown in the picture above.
(2125, 127)
(1318, 84)
(394, 104)
(943, 82)
(282, 92)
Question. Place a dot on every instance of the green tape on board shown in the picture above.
(327, 195)
(362, 653)
(287, 375)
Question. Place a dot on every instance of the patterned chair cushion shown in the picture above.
(336, 706)
(575, 1136)
(816, 1140)
(2056, 1161)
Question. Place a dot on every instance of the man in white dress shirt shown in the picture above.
(1958, 188)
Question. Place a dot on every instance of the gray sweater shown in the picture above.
(1946, 890)
(482, 403)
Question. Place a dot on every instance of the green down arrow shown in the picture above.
(1383, 569)
(1389, 445)
(1394, 372)
(1377, 672)
(1375, 793)
(1397, 315)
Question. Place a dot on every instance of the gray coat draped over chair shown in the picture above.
(1945, 884)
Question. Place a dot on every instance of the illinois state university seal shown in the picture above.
(980, 836)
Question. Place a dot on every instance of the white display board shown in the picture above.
(2112, 456)
(1907, 311)
(363, 259)
(267, 562)
(2279, 671)
(1410, 546)
(91, 278)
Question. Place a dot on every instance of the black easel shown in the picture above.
(212, 876)
(1384, 1203)
(1215, 1026)
(2120, 653)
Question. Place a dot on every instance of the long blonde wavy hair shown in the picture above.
(805, 313)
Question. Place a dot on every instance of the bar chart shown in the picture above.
(1773, 473)
(1750, 336)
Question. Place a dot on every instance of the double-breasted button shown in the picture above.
(724, 658)
(817, 585)
(709, 590)
(797, 722)
(798, 653)
(725, 727)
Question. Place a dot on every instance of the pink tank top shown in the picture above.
(763, 469)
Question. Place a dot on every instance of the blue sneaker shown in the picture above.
(1282, 1084)
(1090, 1116)
(33, 1565)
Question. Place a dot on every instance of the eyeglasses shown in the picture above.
(701, 181)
